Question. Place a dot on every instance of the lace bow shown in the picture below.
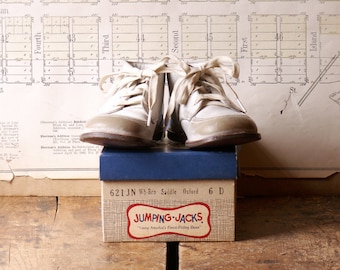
(206, 80)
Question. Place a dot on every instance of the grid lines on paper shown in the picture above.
(204, 37)
(16, 1)
(278, 48)
(139, 37)
(16, 50)
(70, 49)
(69, 1)
(329, 34)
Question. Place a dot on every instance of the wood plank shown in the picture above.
(43, 233)
(274, 233)
(271, 233)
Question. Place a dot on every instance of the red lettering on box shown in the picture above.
(190, 220)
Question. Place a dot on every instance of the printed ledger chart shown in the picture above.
(53, 54)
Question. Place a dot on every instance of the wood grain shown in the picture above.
(271, 233)
(43, 233)
(274, 233)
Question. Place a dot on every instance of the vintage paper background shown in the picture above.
(53, 54)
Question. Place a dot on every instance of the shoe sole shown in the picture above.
(216, 141)
(116, 141)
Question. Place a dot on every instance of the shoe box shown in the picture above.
(168, 195)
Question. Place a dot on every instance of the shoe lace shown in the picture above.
(207, 80)
(138, 86)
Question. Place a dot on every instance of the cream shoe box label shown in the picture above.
(176, 210)
(192, 220)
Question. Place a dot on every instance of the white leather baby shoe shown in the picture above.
(202, 115)
(132, 116)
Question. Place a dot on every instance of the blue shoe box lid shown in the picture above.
(165, 164)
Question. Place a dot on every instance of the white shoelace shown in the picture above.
(206, 80)
(139, 86)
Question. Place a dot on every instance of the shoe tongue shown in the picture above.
(128, 65)
(213, 104)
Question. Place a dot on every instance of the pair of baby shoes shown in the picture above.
(198, 113)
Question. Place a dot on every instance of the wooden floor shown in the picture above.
(272, 233)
